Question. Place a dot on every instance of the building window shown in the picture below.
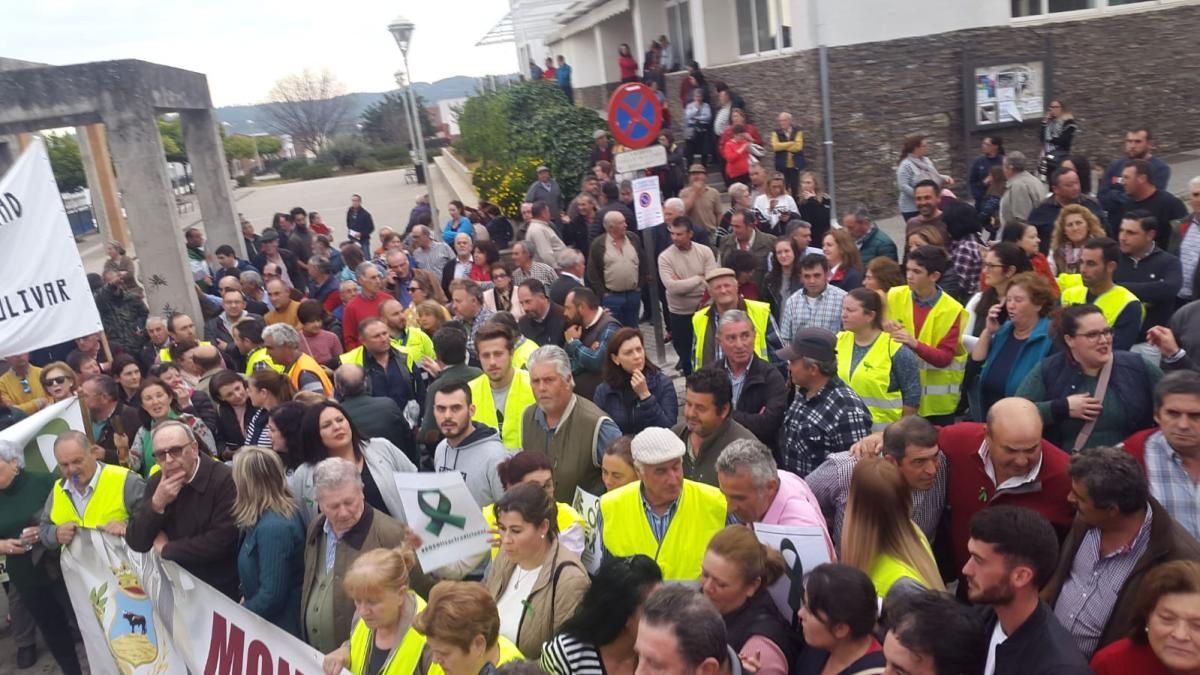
(679, 30)
(1021, 8)
(763, 25)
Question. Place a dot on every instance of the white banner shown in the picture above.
(588, 506)
(647, 202)
(440, 510)
(45, 298)
(141, 615)
(37, 432)
(803, 548)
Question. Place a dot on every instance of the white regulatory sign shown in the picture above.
(642, 158)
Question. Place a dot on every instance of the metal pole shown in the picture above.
(412, 104)
(828, 125)
(412, 135)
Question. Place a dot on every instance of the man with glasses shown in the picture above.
(187, 516)
(21, 386)
(1121, 308)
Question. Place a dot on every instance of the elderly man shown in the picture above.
(255, 292)
(386, 368)
(826, 415)
(187, 517)
(91, 494)
(1120, 533)
(571, 272)
(912, 445)
(1022, 190)
(283, 308)
(759, 392)
(322, 282)
(208, 362)
(500, 396)
(345, 529)
(543, 322)
(747, 237)
(662, 515)
(723, 289)
(219, 329)
(545, 190)
(541, 236)
(527, 266)
(468, 446)
(707, 424)
(114, 424)
(364, 305)
(787, 142)
(757, 491)
(617, 268)
(682, 268)
(375, 416)
(158, 339)
(283, 346)
(468, 308)
(872, 242)
(1064, 191)
(430, 253)
(682, 633)
(270, 252)
(701, 201)
(586, 337)
(399, 274)
(21, 386)
(569, 428)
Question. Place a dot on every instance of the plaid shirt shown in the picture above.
(540, 271)
(1090, 592)
(815, 428)
(801, 311)
(966, 259)
(1171, 485)
(830, 483)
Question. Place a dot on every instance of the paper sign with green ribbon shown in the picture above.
(439, 515)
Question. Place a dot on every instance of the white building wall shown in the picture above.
(580, 52)
(843, 22)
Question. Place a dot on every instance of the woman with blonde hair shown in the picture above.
(879, 536)
(775, 201)
(385, 639)
(735, 575)
(59, 381)
(461, 626)
(1075, 225)
(431, 316)
(271, 556)
(816, 208)
(422, 288)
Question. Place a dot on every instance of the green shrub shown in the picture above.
(345, 150)
(368, 164)
(245, 180)
(316, 170)
(292, 168)
(392, 155)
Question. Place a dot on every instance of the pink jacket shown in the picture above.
(795, 504)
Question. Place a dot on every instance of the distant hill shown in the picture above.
(238, 116)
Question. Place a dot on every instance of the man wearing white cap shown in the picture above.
(545, 189)
(662, 515)
(723, 289)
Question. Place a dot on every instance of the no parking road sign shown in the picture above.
(635, 115)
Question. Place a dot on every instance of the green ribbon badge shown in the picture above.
(440, 515)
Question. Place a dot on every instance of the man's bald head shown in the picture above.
(350, 380)
(1013, 413)
(207, 357)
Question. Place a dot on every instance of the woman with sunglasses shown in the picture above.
(1063, 385)
(160, 404)
(59, 381)
(502, 296)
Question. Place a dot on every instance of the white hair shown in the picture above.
(751, 455)
(674, 203)
(335, 472)
(612, 218)
(1194, 184)
(735, 316)
(282, 335)
(568, 258)
(153, 319)
(553, 355)
(12, 453)
(421, 229)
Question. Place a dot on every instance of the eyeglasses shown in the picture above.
(414, 289)
(1096, 335)
(54, 381)
(173, 452)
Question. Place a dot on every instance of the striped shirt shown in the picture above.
(567, 655)
(1171, 485)
(1090, 593)
(830, 483)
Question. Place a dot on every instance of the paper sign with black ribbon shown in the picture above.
(440, 509)
(803, 548)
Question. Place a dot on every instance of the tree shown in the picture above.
(268, 145)
(239, 147)
(172, 139)
(66, 162)
(386, 122)
(308, 106)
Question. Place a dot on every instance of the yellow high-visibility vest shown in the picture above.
(940, 387)
(1111, 303)
(164, 354)
(520, 397)
(872, 379)
(521, 353)
(760, 316)
(259, 358)
(107, 504)
(700, 514)
(403, 661)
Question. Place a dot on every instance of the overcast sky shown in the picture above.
(245, 45)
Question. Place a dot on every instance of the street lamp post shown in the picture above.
(402, 30)
(401, 81)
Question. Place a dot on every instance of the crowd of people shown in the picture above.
(994, 427)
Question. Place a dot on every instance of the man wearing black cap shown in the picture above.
(826, 416)
(270, 252)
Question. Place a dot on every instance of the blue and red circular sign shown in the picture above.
(635, 115)
(644, 200)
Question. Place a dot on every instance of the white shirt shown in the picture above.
(81, 497)
(511, 604)
(1014, 482)
(998, 638)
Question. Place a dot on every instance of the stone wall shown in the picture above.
(882, 91)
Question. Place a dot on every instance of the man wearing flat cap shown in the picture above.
(826, 415)
(701, 201)
(723, 291)
(545, 189)
(662, 515)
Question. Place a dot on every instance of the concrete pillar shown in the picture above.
(102, 183)
(206, 154)
(142, 169)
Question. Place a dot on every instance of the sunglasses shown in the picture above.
(54, 381)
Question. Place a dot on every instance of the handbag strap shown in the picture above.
(1101, 390)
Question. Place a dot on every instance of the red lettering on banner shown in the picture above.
(224, 650)
(258, 659)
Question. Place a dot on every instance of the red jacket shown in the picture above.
(970, 490)
(357, 309)
(737, 157)
(1136, 445)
